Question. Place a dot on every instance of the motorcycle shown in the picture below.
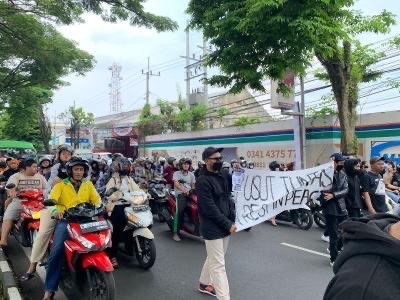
(87, 272)
(191, 223)
(316, 211)
(137, 236)
(26, 228)
(158, 198)
(303, 218)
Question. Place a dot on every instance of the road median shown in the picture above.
(9, 288)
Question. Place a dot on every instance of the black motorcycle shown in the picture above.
(158, 197)
(303, 218)
(316, 210)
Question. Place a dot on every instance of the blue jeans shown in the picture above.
(393, 196)
(56, 257)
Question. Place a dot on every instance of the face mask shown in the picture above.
(358, 171)
(124, 172)
(217, 166)
(339, 168)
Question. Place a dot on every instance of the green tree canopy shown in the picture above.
(255, 39)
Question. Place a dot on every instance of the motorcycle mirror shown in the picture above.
(49, 202)
(10, 186)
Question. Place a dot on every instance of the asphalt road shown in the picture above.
(259, 266)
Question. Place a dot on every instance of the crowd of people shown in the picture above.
(360, 189)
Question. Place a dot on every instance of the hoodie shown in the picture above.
(353, 197)
(368, 268)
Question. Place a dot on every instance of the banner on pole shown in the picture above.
(261, 195)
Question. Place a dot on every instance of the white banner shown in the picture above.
(261, 195)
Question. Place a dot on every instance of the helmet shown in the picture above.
(184, 160)
(225, 164)
(64, 147)
(44, 158)
(250, 165)
(233, 161)
(201, 163)
(161, 159)
(121, 165)
(116, 155)
(243, 163)
(274, 165)
(77, 161)
(171, 160)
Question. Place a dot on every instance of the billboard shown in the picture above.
(279, 100)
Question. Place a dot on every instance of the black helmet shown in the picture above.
(243, 163)
(201, 163)
(77, 161)
(274, 165)
(121, 165)
(171, 160)
(184, 160)
(250, 165)
(64, 147)
(116, 155)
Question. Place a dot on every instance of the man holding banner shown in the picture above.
(217, 222)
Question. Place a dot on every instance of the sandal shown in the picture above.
(114, 263)
(27, 276)
(49, 297)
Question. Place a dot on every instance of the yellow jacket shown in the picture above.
(64, 194)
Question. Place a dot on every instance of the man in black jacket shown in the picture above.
(217, 222)
(369, 266)
(354, 203)
(334, 206)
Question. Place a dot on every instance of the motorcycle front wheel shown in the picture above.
(304, 219)
(101, 285)
(319, 219)
(147, 256)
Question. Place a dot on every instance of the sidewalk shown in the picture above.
(9, 289)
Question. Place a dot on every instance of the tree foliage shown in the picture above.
(255, 39)
(78, 120)
(23, 119)
(243, 121)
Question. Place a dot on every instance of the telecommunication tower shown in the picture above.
(115, 88)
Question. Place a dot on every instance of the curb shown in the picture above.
(8, 284)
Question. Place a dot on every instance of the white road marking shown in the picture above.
(4, 267)
(305, 250)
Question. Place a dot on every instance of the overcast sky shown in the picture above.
(130, 46)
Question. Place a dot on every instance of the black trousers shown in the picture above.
(118, 220)
(354, 212)
(335, 238)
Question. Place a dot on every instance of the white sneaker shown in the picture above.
(331, 263)
(325, 238)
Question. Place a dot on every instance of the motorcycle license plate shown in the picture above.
(94, 226)
(36, 215)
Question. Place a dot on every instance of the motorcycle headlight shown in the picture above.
(107, 240)
(132, 217)
(84, 242)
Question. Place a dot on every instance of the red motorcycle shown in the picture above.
(26, 228)
(191, 224)
(87, 272)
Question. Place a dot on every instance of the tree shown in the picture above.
(78, 119)
(23, 117)
(222, 112)
(254, 39)
(243, 121)
(198, 116)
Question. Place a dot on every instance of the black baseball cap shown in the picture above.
(375, 159)
(338, 157)
(210, 151)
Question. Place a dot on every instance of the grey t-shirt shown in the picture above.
(188, 178)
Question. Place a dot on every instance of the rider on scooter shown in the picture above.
(27, 178)
(70, 192)
(118, 187)
(184, 182)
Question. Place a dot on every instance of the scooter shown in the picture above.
(158, 198)
(137, 236)
(191, 224)
(87, 272)
(26, 228)
(303, 218)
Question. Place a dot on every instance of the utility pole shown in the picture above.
(187, 63)
(205, 84)
(303, 124)
(54, 129)
(148, 74)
